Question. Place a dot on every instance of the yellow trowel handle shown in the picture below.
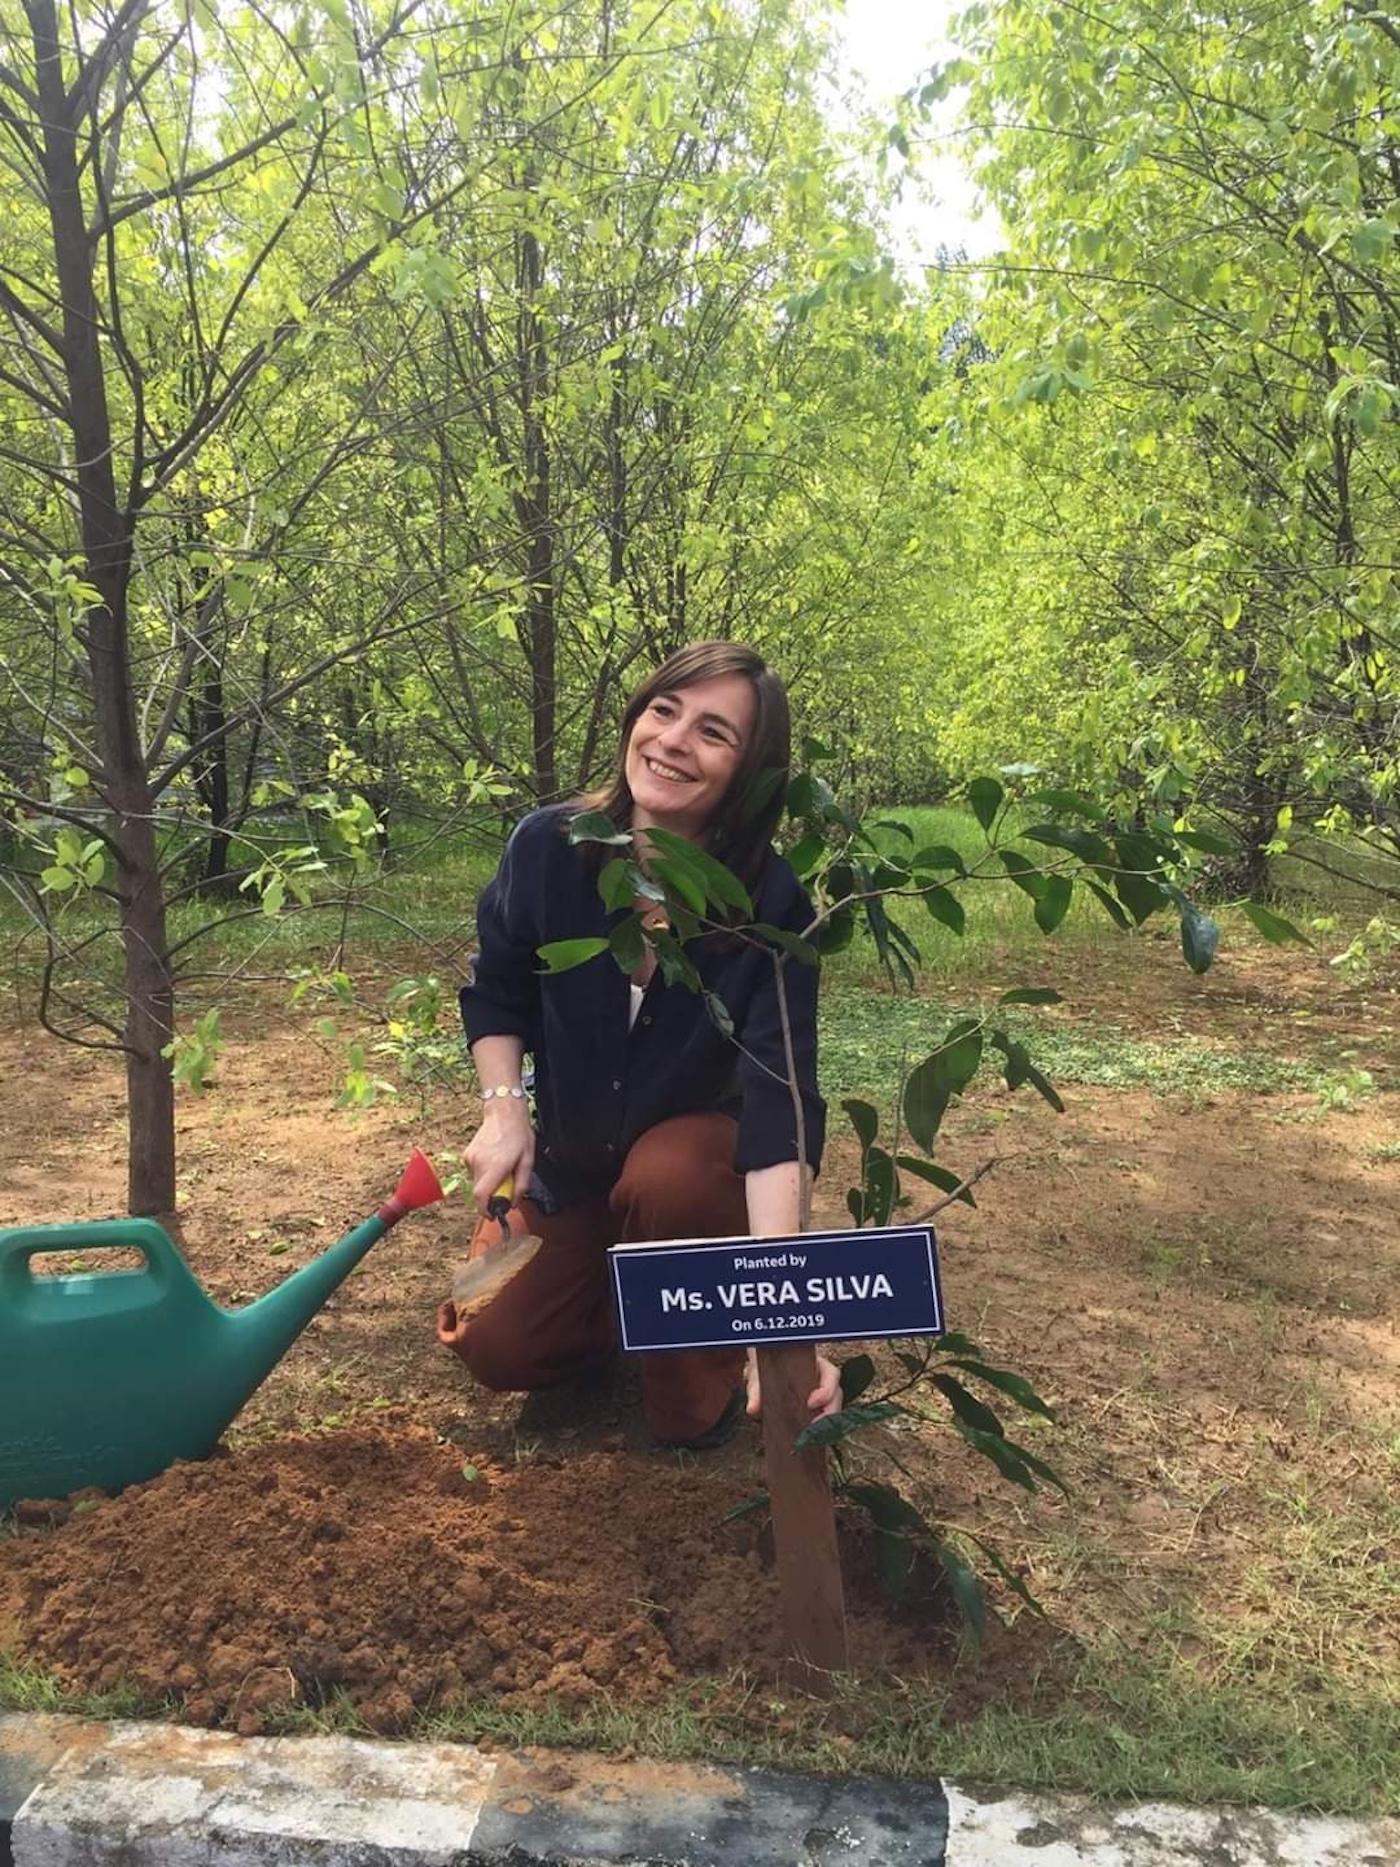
(499, 1204)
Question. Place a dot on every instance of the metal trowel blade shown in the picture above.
(485, 1275)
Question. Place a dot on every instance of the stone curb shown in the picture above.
(80, 1793)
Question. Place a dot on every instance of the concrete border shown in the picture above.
(80, 1793)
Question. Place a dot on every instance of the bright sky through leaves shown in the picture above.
(892, 44)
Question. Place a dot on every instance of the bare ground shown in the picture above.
(1202, 1285)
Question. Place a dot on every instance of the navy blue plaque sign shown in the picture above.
(816, 1287)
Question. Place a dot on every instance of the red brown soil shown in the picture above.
(379, 1564)
(1202, 1284)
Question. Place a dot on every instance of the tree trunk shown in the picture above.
(106, 532)
(150, 1023)
(209, 717)
(537, 520)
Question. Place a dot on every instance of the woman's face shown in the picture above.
(684, 751)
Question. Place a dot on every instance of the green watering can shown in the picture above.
(105, 1379)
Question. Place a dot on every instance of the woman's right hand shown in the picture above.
(503, 1148)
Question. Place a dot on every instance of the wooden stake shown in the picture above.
(804, 1523)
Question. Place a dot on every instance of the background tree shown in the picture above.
(1197, 337)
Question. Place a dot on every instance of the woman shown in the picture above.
(650, 1122)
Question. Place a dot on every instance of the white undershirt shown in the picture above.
(635, 1005)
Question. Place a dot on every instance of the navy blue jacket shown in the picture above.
(598, 1086)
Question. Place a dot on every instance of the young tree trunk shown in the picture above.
(537, 519)
(150, 1023)
(106, 532)
(209, 719)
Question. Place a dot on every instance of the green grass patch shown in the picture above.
(1137, 1727)
(1000, 918)
(28, 1688)
(1118, 1726)
(865, 1032)
(429, 906)
(1116, 1723)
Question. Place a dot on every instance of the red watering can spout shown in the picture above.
(418, 1187)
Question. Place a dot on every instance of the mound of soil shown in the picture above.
(379, 1564)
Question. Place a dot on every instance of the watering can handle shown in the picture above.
(162, 1257)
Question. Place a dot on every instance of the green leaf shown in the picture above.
(595, 826)
(1110, 906)
(806, 854)
(906, 952)
(1273, 926)
(720, 884)
(967, 1407)
(937, 856)
(678, 879)
(865, 1120)
(835, 934)
(881, 1188)
(628, 943)
(943, 1178)
(899, 1528)
(1020, 1070)
(1206, 841)
(621, 882)
(1012, 1580)
(809, 796)
(274, 895)
(946, 908)
(677, 968)
(719, 1014)
(1031, 995)
(56, 879)
(856, 1376)
(1371, 240)
(1137, 877)
(1053, 902)
(838, 1426)
(956, 1343)
(940, 1077)
(985, 796)
(1074, 802)
(878, 921)
(789, 942)
(967, 1591)
(1081, 843)
(563, 955)
(1005, 1381)
(760, 791)
(1023, 872)
(1200, 936)
(1012, 1461)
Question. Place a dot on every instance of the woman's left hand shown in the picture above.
(824, 1399)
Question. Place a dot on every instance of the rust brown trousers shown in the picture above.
(553, 1322)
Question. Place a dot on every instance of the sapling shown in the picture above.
(1133, 871)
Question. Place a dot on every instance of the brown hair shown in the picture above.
(741, 830)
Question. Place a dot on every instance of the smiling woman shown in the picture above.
(684, 751)
(651, 1122)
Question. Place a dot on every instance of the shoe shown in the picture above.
(717, 1435)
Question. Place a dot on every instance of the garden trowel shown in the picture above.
(491, 1263)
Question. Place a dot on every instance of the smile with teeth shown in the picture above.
(668, 772)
